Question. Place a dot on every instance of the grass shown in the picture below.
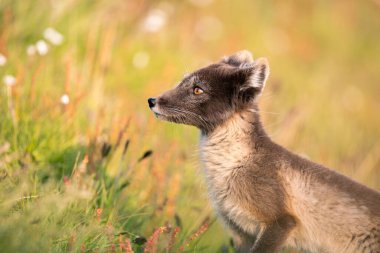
(100, 174)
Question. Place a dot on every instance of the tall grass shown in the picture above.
(84, 167)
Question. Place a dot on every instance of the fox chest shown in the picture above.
(223, 164)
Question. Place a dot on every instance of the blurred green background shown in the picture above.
(84, 165)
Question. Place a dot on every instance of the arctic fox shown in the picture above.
(267, 196)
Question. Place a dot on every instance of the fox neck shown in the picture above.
(230, 145)
(243, 125)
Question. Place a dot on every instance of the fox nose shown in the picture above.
(151, 102)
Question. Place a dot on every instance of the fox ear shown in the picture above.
(256, 76)
(238, 58)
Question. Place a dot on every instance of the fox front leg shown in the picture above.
(273, 235)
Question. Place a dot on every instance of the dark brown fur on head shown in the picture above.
(228, 86)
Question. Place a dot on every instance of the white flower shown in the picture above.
(65, 99)
(155, 20)
(9, 80)
(53, 36)
(140, 59)
(31, 50)
(3, 60)
(42, 47)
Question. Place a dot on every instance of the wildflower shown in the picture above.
(9, 80)
(53, 36)
(201, 230)
(3, 60)
(31, 50)
(42, 47)
(128, 246)
(172, 238)
(65, 99)
(83, 248)
(141, 59)
(151, 244)
(99, 212)
(121, 243)
(155, 20)
(66, 180)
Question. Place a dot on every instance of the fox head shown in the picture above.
(209, 96)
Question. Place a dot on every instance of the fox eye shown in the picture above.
(197, 91)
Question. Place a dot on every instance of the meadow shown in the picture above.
(85, 166)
